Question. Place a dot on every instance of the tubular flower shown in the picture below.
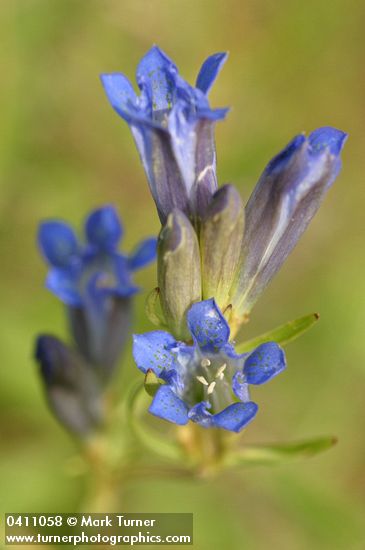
(94, 280)
(173, 127)
(206, 382)
(280, 208)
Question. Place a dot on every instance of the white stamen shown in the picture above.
(202, 380)
(211, 388)
(220, 372)
(205, 362)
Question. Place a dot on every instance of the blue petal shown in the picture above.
(63, 283)
(168, 406)
(200, 414)
(57, 242)
(124, 284)
(265, 362)
(208, 326)
(152, 351)
(236, 416)
(121, 95)
(283, 159)
(103, 228)
(240, 387)
(209, 71)
(327, 138)
(144, 254)
(156, 78)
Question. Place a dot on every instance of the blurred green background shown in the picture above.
(293, 66)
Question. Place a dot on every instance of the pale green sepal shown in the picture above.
(152, 383)
(179, 274)
(221, 235)
(153, 308)
(281, 335)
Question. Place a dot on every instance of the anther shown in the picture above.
(202, 380)
(220, 372)
(211, 388)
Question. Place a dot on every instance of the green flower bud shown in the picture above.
(220, 244)
(179, 273)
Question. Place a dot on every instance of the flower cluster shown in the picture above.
(94, 280)
(215, 255)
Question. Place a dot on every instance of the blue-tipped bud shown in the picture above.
(71, 388)
(280, 208)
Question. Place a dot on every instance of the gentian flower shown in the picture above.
(173, 127)
(94, 280)
(281, 206)
(206, 382)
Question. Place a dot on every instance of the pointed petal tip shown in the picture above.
(154, 58)
(210, 70)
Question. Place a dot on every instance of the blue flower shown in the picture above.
(173, 127)
(280, 208)
(94, 280)
(206, 382)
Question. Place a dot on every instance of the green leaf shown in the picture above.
(153, 308)
(136, 405)
(281, 335)
(282, 452)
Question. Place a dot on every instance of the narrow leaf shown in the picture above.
(282, 452)
(136, 405)
(281, 335)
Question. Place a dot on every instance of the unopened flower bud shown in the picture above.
(179, 273)
(71, 388)
(220, 244)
